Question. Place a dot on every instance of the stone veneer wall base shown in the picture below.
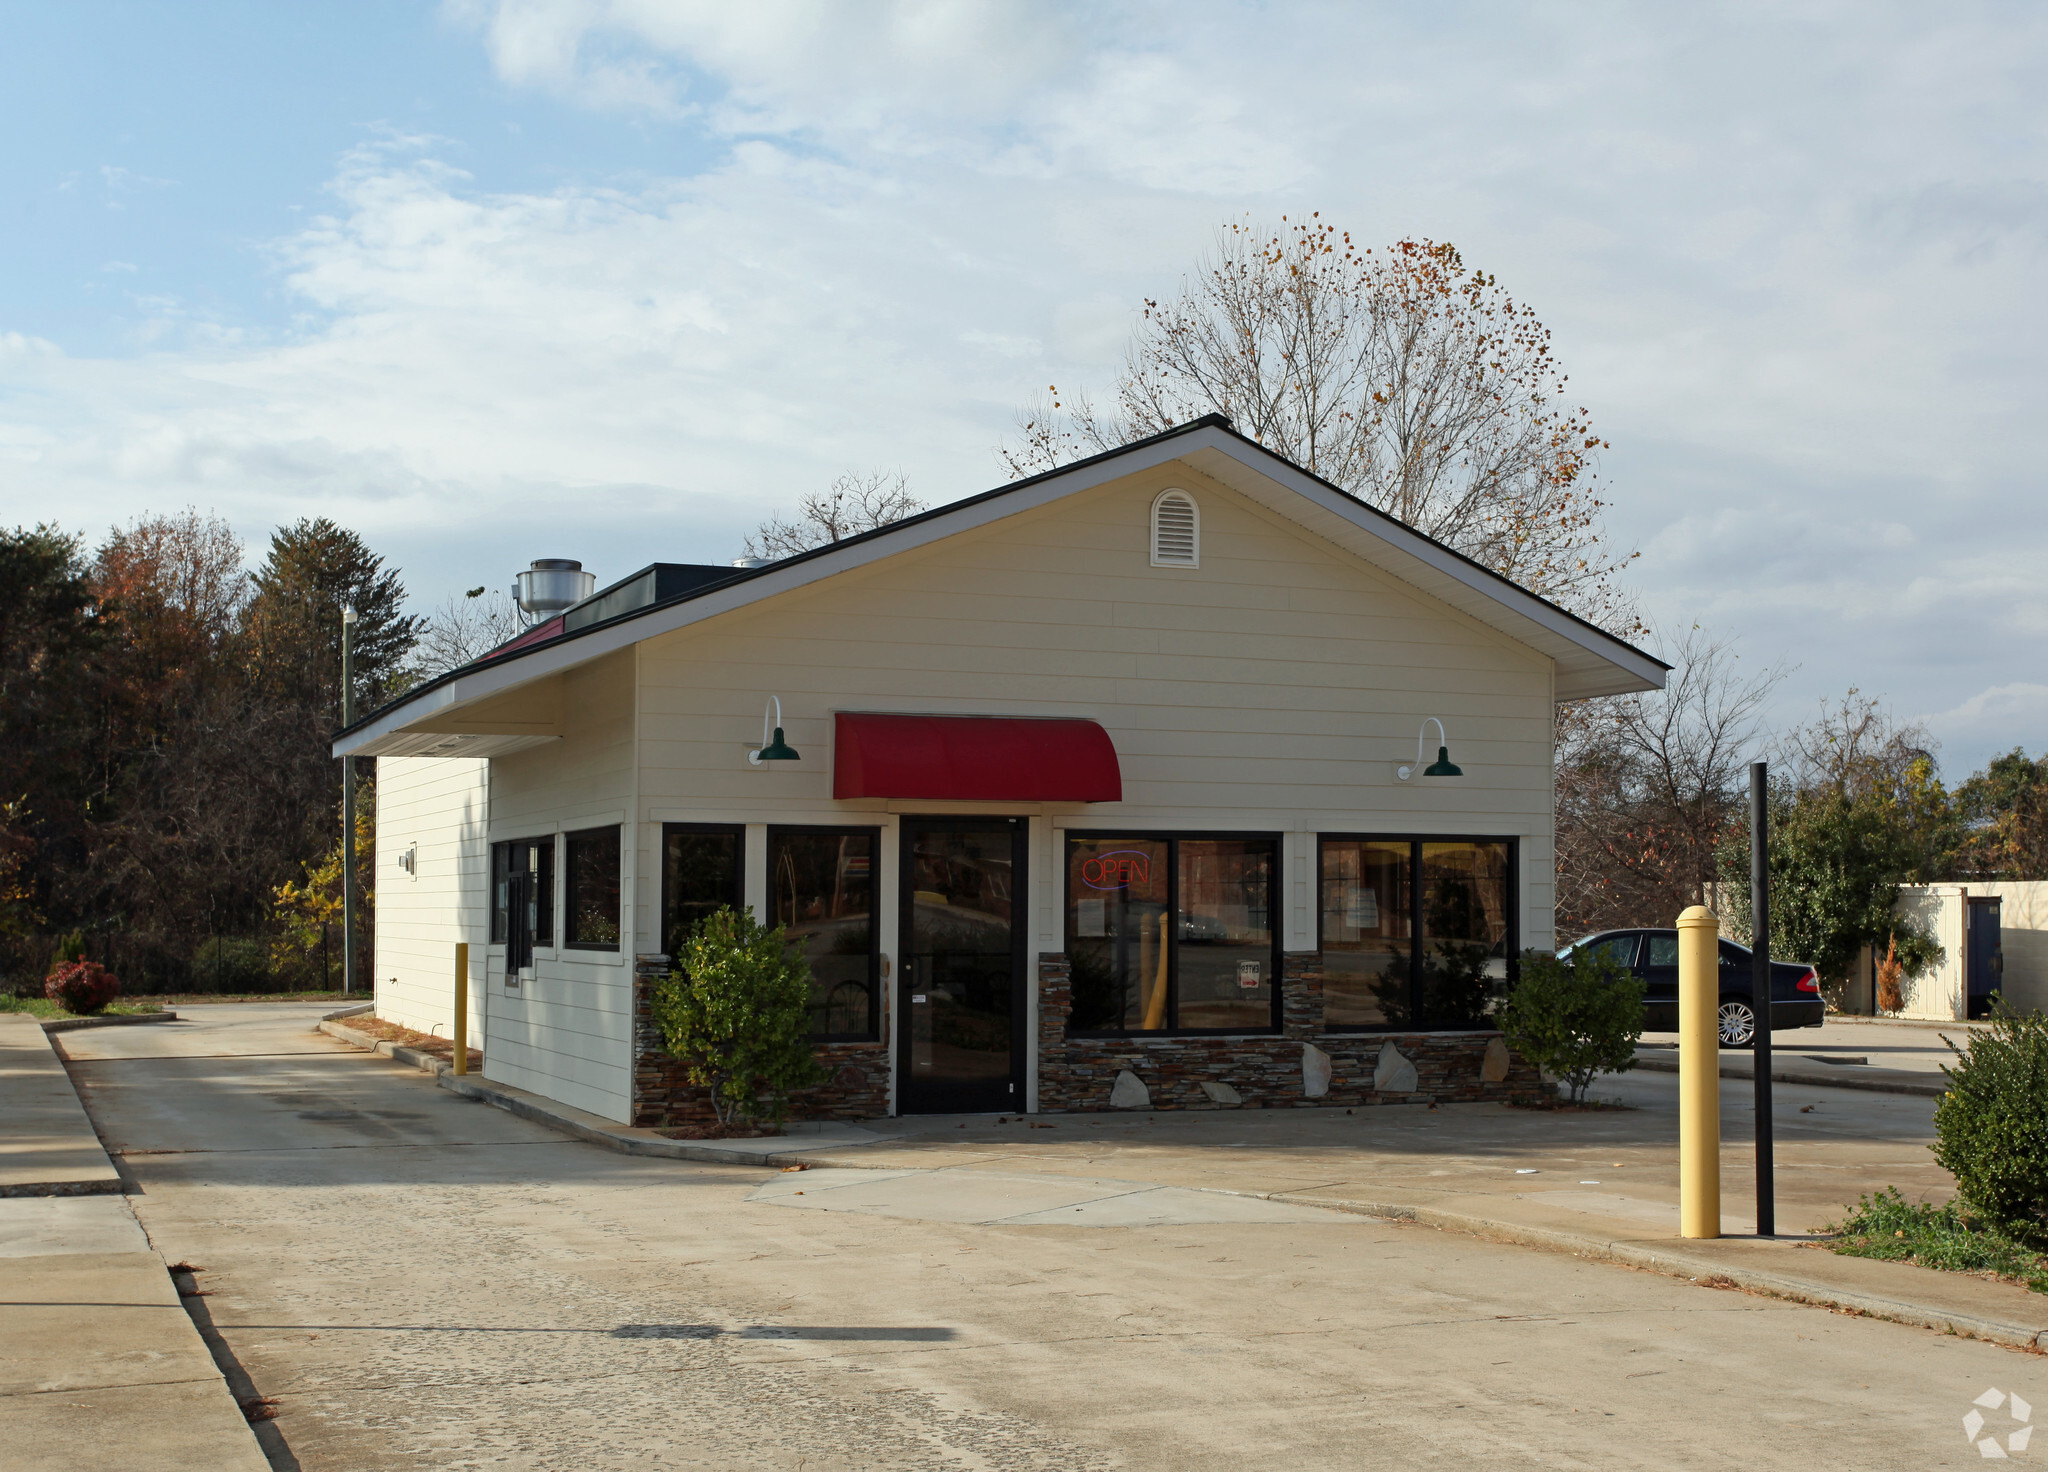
(856, 1074)
(1078, 1074)
(1265, 1072)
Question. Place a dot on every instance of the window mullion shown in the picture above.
(1171, 940)
(1415, 933)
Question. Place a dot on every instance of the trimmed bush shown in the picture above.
(1991, 1126)
(736, 1012)
(81, 987)
(1575, 1019)
(231, 966)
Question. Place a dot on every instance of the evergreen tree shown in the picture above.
(314, 570)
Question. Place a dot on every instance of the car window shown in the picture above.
(1663, 951)
(1619, 948)
(1733, 954)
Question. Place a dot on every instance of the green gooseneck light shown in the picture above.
(773, 748)
(1443, 766)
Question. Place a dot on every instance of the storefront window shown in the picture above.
(1456, 894)
(593, 890)
(1366, 915)
(822, 890)
(1172, 934)
(535, 856)
(701, 873)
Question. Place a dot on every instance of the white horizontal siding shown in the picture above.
(1276, 687)
(566, 1033)
(440, 805)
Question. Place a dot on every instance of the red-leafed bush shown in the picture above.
(82, 987)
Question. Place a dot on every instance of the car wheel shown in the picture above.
(1738, 1023)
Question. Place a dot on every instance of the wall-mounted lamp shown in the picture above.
(773, 748)
(1441, 767)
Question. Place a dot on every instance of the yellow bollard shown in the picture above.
(1699, 1073)
(462, 1006)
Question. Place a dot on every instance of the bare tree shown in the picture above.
(855, 504)
(1856, 746)
(1404, 377)
(463, 630)
(1649, 785)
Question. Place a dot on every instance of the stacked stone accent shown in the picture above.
(1076, 1074)
(856, 1074)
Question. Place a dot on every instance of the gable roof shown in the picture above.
(1588, 660)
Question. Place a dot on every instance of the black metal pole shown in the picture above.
(1761, 992)
(348, 806)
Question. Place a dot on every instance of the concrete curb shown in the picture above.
(356, 1011)
(397, 1052)
(62, 1188)
(592, 1130)
(124, 1019)
(1678, 1263)
(1651, 1255)
(1892, 1083)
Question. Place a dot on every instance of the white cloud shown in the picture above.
(1995, 721)
(1790, 258)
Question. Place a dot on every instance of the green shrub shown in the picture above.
(1952, 1238)
(1991, 1127)
(736, 1012)
(231, 966)
(1575, 1019)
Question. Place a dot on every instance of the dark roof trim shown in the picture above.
(519, 648)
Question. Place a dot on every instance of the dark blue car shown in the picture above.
(1653, 955)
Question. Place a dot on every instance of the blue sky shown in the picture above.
(616, 278)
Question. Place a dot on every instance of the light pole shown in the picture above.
(1762, 994)
(348, 805)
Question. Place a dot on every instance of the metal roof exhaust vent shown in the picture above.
(751, 561)
(553, 584)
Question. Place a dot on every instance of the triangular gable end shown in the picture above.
(1588, 661)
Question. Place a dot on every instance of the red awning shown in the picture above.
(974, 758)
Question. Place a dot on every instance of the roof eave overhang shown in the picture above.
(1588, 661)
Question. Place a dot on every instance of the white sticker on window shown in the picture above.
(1250, 975)
(1091, 917)
(1364, 912)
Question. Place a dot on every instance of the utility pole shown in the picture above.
(348, 805)
(1761, 992)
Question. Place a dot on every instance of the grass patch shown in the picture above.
(203, 999)
(1950, 1238)
(43, 1007)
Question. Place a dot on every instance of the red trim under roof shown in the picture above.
(538, 634)
(974, 758)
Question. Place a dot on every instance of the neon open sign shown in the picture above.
(1118, 870)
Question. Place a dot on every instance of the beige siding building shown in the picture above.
(1156, 823)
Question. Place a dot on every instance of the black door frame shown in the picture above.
(906, 931)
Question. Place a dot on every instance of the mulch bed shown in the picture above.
(719, 1132)
(1565, 1106)
(405, 1037)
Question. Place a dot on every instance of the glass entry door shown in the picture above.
(960, 995)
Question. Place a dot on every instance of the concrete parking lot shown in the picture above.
(419, 1281)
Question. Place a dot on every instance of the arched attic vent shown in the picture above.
(1176, 530)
